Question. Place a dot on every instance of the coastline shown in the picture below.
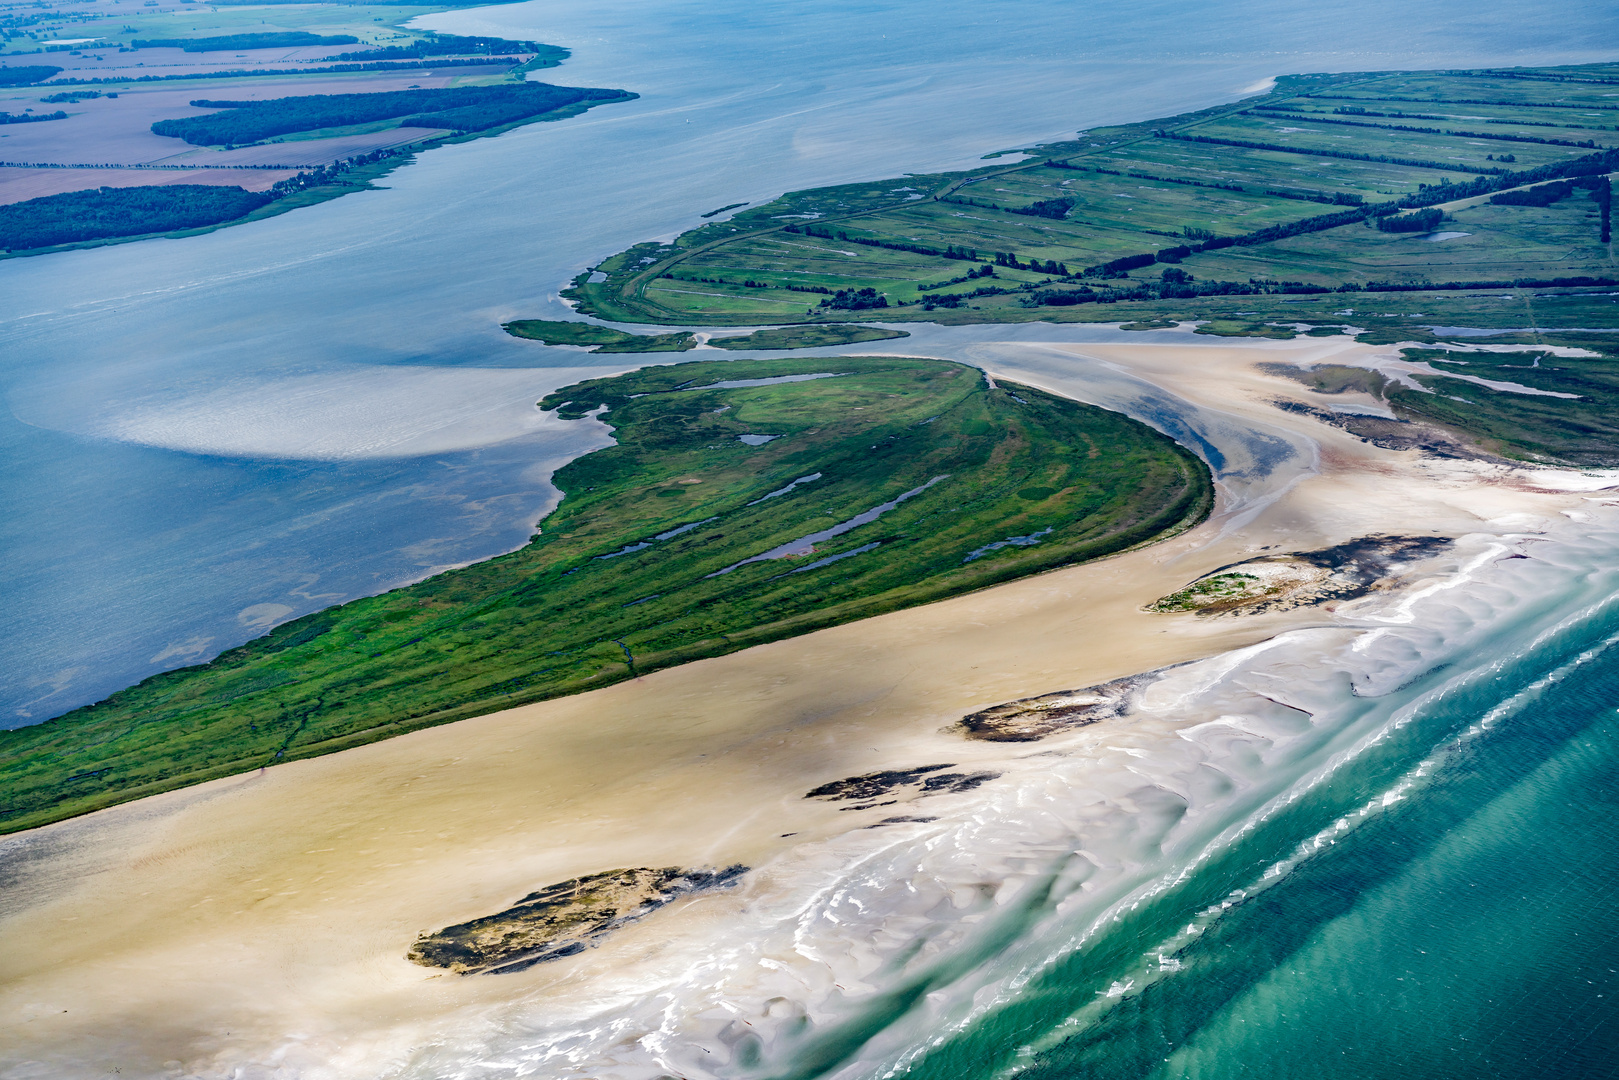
(701, 765)
(356, 179)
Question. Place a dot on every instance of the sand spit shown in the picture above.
(258, 925)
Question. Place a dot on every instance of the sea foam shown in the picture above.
(855, 955)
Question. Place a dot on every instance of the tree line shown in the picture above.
(468, 108)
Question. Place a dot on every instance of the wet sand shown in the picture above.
(202, 927)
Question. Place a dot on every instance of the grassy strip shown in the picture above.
(606, 339)
(652, 560)
(806, 337)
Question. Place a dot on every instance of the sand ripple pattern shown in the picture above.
(852, 956)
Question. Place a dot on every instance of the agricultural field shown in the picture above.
(296, 102)
(744, 501)
(1308, 191)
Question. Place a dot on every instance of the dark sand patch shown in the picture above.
(562, 919)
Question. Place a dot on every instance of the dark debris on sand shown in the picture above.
(562, 919)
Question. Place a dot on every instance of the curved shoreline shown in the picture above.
(701, 765)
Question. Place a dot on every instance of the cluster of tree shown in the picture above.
(1503, 157)
(1542, 195)
(822, 289)
(458, 45)
(1421, 221)
(1546, 194)
(1586, 165)
(1539, 76)
(26, 76)
(971, 275)
(1046, 208)
(1497, 136)
(331, 174)
(965, 253)
(1464, 286)
(1350, 155)
(107, 213)
(1169, 179)
(30, 118)
(962, 200)
(468, 108)
(955, 300)
(1167, 289)
(330, 69)
(1334, 198)
(288, 39)
(71, 96)
(1009, 260)
(915, 249)
(855, 300)
(699, 280)
(1438, 100)
(1125, 264)
(1172, 254)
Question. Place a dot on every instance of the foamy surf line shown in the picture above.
(853, 956)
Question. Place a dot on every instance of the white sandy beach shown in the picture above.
(260, 922)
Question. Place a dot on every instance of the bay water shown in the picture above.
(204, 437)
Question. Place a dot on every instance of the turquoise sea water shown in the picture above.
(205, 434)
(1467, 930)
(1384, 847)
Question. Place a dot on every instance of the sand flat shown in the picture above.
(277, 906)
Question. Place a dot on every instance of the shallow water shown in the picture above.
(1382, 847)
(207, 435)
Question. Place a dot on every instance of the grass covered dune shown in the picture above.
(864, 485)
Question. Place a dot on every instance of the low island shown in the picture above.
(1476, 197)
(745, 501)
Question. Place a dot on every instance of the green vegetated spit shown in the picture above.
(608, 340)
(734, 509)
(1475, 198)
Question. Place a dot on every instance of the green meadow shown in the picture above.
(1275, 207)
(735, 508)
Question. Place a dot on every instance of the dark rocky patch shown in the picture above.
(561, 920)
(1389, 434)
(912, 783)
(871, 785)
(1031, 719)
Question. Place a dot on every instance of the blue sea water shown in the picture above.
(205, 436)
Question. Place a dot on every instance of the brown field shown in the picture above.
(20, 185)
(117, 132)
